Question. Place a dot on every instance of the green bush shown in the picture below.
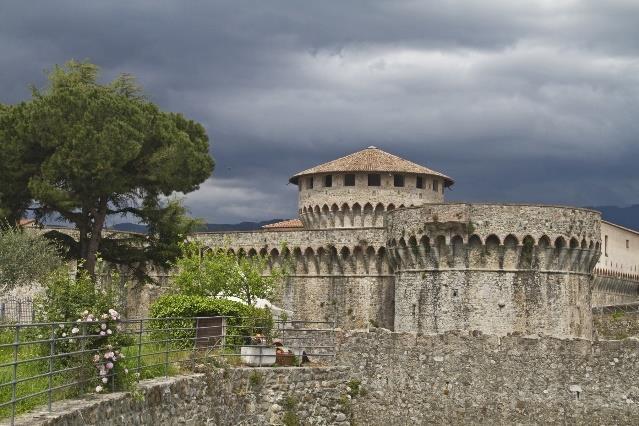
(66, 297)
(173, 310)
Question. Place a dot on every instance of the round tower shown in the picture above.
(496, 268)
(354, 191)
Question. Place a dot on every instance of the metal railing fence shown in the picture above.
(44, 362)
(621, 308)
(16, 310)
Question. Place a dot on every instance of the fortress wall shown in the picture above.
(303, 239)
(351, 302)
(613, 290)
(494, 268)
(336, 275)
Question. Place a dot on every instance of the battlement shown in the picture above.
(346, 215)
(466, 236)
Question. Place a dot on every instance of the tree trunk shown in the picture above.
(99, 216)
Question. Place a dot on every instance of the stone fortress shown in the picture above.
(376, 244)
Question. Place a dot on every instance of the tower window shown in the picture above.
(420, 182)
(310, 183)
(435, 185)
(374, 179)
(349, 180)
(398, 180)
(627, 244)
(328, 181)
(606, 245)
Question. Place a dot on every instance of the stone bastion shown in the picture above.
(497, 268)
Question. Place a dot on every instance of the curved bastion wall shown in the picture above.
(362, 205)
(493, 267)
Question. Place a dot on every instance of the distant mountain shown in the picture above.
(209, 227)
(624, 216)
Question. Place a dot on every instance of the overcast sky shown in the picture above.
(534, 101)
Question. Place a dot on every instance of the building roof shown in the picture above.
(371, 159)
(285, 224)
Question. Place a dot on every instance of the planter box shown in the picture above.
(258, 356)
(285, 359)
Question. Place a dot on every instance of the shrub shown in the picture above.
(173, 310)
(66, 297)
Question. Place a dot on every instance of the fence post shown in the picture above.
(2, 311)
(139, 360)
(18, 311)
(195, 345)
(51, 353)
(166, 356)
(16, 345)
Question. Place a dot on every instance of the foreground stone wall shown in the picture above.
(247, 396)
(388, 378)
(456, 378)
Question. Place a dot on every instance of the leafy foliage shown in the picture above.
(66, 297)
(26, 258)
(242, 320)
(202, 272)
(84, 151)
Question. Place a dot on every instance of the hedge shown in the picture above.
(242, 320)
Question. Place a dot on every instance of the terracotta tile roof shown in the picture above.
(290, 223)
(27, 222)
(370, 159)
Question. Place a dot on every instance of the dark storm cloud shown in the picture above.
(518, 102)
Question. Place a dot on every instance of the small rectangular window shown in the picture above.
(398, 180)
(374, 179)
(627, 244)
(349, 180)
(606, 246)
(435, 185)
(328, 181)
(420, 182)
(310, 183)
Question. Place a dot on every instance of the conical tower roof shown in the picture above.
(371, 159)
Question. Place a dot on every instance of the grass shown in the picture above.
(153, 363)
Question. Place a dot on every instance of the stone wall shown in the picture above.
(247, 396)
(617, 324)
(458, 378)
